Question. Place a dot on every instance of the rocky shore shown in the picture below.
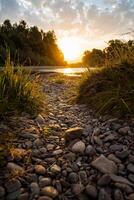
(67, 153)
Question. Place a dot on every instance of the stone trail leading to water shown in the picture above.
(68, 153)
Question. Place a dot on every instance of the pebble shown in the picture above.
(14, 167)
(124, 130)
(55, 169)
(103, 195)
(45, 198)
(131, 196)
(114, 158)
(89, 150)
(104, 180)
(39, 169)
(35, 190)
(72, 134)
(73, 177)
(78, 147)
(124, 187)
(2, 191)
(77, 189)
(91, 191)
(13, 195)
(122, 154)
(24, 196)
(12, 185)
(49, 191)
(104, 165)
(118, 195)
(130, 167)
(45, 181)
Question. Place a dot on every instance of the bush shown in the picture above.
(18, 91)
(109, 90)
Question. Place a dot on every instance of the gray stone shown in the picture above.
(29, 136)
(104, 165)
(77, 189)
(45, 182)
(120, 179)
(124, 187)
(24, 196)
(118, 195)
(124, 130)
(104, 180)
(73, 133)
(38, 142)
(14, 167)
(83, 177)
(70, 156)
(50, 147)
(131, 177)
(45, 198)
(103, 195)
(131, 196)
(49, 191)
(2, 191)
(73, 177)
(78, 147)
(35, 190)
(116, 147)
(109, 138)
(122, 154)
(12, 185)
(89, 150)
(114, 158)
(130, 167)
(13, 195)
(39, 169)
(91, 191)
(57, 152)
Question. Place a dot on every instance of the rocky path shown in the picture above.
(66, 153)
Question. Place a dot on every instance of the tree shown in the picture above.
(94, 58)
(29, 45)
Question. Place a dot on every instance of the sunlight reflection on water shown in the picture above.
(73, 71)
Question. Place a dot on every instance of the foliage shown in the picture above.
(29, 45)
(110, 89)
(116, 52)
(18, 91)
(119, 52)
(94, 58)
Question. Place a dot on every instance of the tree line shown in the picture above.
(116, 52)
(29, 45)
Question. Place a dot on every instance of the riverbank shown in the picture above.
(66, 152)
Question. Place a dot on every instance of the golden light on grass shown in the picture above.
(70, 48)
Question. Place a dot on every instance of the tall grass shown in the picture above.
(110, 90)
(18, 91)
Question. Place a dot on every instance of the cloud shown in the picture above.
(91, 21)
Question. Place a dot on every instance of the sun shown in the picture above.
(70, 48)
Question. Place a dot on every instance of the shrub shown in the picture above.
(19, 91)
(109, 90)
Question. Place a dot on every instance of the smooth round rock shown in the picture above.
(78, 147)
(49, 191)
(73, 177)
(91, 191)
(39, 169)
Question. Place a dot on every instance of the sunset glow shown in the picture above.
(70, 48)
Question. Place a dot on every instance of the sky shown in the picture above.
(79, 24)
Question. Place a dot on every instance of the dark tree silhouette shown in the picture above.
(29, 45)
